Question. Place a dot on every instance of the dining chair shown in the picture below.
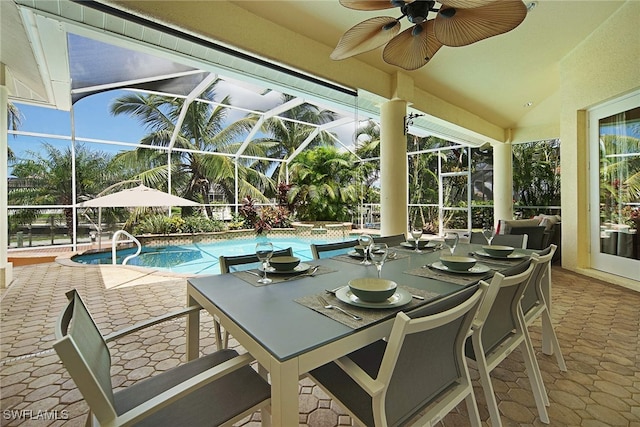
(498, 330)
(513, 240)
(536, 301)
(327, 250)
(217, 389)
(235, 263)
(537, 236)
(230, 264)
(420, 370)
(394, 240)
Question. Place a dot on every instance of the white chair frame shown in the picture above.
(518, 338)
(95, 384)
(541, 278)
(403, 326)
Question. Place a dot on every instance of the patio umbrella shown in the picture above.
(140, 196)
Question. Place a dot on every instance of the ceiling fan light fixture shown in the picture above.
(448, 12)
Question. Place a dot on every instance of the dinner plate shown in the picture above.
(400, 298)
(300, 268)
(421, 245)
(513, 255)
(476, 269)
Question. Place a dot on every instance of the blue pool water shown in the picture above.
(200, 258)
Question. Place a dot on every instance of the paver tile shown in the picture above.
(597, 325)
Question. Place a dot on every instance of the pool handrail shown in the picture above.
(115, 241)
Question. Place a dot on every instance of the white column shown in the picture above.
(393, 168)
(6, 275)
(502, 181)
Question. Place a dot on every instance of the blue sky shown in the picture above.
(94, 121)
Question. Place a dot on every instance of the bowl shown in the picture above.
(371, 289)
(284, 263)
(498, 251)
(458, 263)
(360, 249)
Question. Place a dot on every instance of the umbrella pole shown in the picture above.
(99, 228)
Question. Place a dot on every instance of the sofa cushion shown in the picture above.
(506, 225)
(549, 221)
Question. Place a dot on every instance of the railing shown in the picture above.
(114, 242)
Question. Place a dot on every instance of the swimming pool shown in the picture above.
(200, 258)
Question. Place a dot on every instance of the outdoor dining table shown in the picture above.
(289, 338)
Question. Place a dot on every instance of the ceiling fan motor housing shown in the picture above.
(417, 12)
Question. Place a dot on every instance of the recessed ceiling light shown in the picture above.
(528, 104)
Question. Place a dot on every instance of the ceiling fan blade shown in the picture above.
(460, 27)
(366, 36)
(412, 48)
(465, 4)
(372, 4)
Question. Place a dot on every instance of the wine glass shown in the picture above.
(416, 234)
(379, 252)
(489, 233)
(264, 251)
(451, 241)
(365, 240)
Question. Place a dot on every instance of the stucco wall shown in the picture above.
(605, 66)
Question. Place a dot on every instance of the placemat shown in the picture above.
(369, 315)
(354, 260)
(252, 276)
(455, 278)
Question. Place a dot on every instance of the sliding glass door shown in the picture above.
(614, 136)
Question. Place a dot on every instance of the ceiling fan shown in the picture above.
(456, 23)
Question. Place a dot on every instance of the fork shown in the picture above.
(325, 304)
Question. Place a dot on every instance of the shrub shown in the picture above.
(161, 224)
(265, 218)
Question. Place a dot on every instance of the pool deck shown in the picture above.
(598, 325)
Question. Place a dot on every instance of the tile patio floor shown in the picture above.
(598, 327)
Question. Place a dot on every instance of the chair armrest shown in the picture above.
(150, 322)
(371, 386)
(158, 402)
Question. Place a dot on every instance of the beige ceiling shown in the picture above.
(492, 79)
(483, 87)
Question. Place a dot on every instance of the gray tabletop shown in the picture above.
(287, 329)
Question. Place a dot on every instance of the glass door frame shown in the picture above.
(612, 264)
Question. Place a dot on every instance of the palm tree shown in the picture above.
(50, 173)
(536, 178)
(203, 132)
(325, 184)
(285, 136)
(619, 177)
(367, 146)
(14, 118)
